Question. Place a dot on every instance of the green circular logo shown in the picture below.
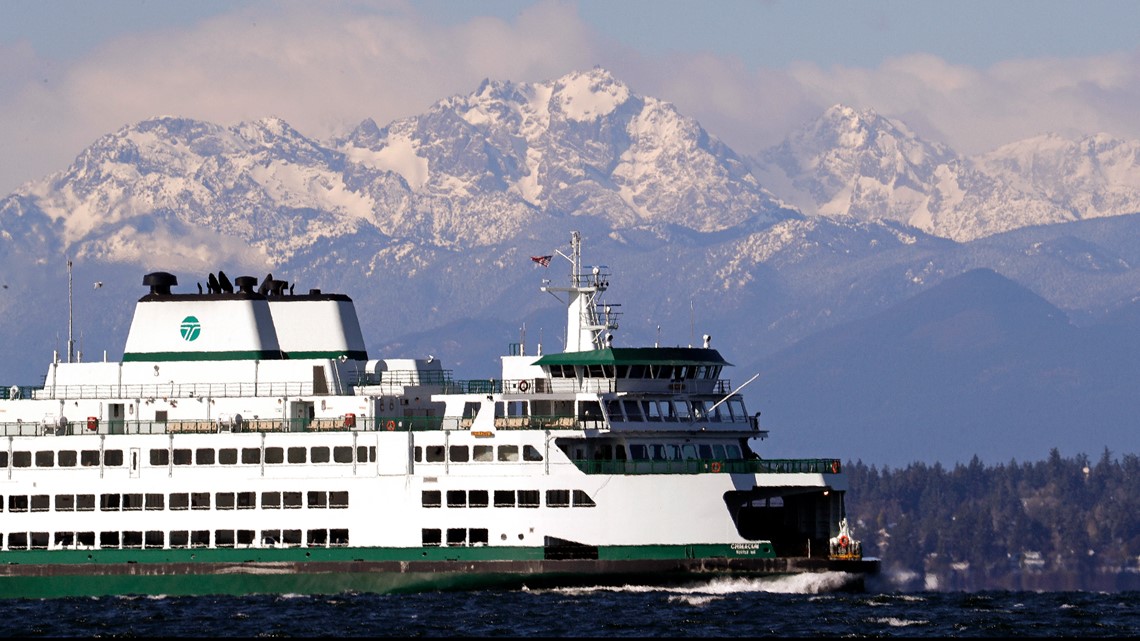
(191, 328)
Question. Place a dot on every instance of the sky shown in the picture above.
(971, 74)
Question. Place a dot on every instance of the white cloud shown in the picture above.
(323, 67)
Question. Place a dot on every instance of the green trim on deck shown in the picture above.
(637, 356)
(352, 355)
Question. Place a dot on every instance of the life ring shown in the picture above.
(835, 467)
(524, 386)
(714, 466)
(843, 540)
(350, 420)
(391, 426)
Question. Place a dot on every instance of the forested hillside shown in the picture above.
(1054, 524)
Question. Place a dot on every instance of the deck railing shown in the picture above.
(391, 383)
(325, 424)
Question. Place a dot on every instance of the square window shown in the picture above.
(477, 498)
(528, 498)
(271, 501)
(132, 539)
(224, 538)
(246, 500)
(431, 498)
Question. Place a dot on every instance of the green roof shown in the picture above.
(637, 356)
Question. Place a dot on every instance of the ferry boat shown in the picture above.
(247, 443)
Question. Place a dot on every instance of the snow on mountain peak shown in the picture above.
(590, 95)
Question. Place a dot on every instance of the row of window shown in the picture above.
(675, 410)
(456, 537)
(660, 372)
(157, 539)
(603, 451)
(506, 498)
(198, 456)
(476, 453)
(317, 499)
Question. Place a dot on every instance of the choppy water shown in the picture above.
(800, 606)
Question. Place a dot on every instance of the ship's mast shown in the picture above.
(584, 321)
(70, 340)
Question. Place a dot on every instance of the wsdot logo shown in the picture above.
(191, 328)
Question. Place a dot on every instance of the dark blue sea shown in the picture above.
(803, 606)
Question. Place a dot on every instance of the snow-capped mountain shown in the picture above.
(429, 223)
(860, 164)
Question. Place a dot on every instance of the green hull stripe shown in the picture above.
(70, 573)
